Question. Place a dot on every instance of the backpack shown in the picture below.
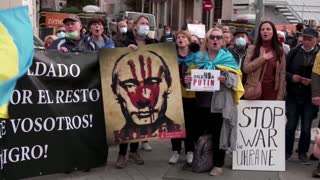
(203, 155)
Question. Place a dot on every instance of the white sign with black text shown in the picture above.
(205, 80)
(197, 29)
(260, 136)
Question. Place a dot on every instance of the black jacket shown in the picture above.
(301, 63)
(239, 57)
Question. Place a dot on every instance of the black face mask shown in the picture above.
(194, 47)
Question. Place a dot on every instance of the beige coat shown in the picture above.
(254, 69)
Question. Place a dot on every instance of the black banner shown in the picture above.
(56, 117)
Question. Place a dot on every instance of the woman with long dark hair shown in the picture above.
(266, 60)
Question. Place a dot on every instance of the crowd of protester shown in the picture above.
(281, 60)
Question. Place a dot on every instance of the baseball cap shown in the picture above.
(310, 32)
(240, 31)
(71, 18)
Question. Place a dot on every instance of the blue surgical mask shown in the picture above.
(168, 33)
(143, 30)
(123, 30)
(61, 35)
(307, 50)
(241, 42)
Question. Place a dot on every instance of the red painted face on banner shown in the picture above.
(142, 87)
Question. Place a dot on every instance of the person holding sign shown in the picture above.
(219, 105)
(137, 36)
(185, 58)
(265, 64)
(73, 40)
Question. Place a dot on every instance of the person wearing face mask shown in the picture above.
(282, 38)
(239, 51)
(300, 61)
(195, 43)
(74, 40)
(122, 29)
(60, 31)
(167, 36)
(134, 38)
(241, 39)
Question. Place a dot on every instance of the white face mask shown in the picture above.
(143, 30)
(61, 35)
(307, 50)
(241, 42)
(123, 30)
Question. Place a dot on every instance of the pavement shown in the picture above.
(156, 167)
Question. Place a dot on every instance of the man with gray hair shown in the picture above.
(73, 40)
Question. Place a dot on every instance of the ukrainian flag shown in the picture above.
(16, 51)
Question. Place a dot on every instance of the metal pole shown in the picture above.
(303, 12)
(142, 6)
(259, 17)
(150, 7)
(107, 8)
(208, 20)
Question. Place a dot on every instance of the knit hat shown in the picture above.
(310, 32)
(240, 31)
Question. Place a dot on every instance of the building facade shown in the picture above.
(177, 12)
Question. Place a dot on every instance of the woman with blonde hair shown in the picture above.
(218, 107)
(185, 59)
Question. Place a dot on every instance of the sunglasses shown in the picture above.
(212, 37)
(60, 31)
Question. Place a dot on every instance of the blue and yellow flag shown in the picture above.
(16, 51)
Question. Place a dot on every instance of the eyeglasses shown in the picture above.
(212, 37)
(60, 31)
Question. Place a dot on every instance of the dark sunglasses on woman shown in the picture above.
(212, 37)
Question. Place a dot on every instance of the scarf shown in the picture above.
(187, 60)
(224, 58)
